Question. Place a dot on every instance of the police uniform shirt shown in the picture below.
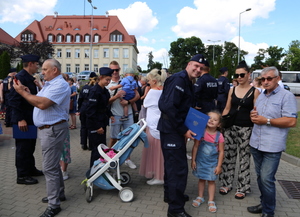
(83, 98)
(97, 111)
(175, 102)
(21, 109)
(223, 86)
(206, 89)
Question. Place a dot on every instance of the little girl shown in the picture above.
(207, 158)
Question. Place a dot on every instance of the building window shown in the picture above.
(68, 53)
(105, 65)
(96, 53)
(95, 67)
(50, 38)
(77, 38)
(68, 67)
(106, 52)
(68, 38)
(125, 53)
(86, 53)
(27, 37)
(96, 38)
(116, 52)
(58, 54)
(77, 68)
(116, 36)
(125, 66)
(59, 38)
(87, 38)
(77, 53)
(86, 67)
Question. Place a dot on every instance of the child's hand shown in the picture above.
(218, 170)
(112, 88)
(193, 165)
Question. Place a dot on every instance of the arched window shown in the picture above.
(116, 36)
(77, 38)
(87, 38)
(68, 38)
(96, 38)
(50, 38)
(27, 36)
(59, 38)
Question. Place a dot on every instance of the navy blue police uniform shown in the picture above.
(174, 103)
(223, 89)
(22, 110)
(206, 92)
(98, 114)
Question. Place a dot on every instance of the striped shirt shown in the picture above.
(279, 103)
(58, 91)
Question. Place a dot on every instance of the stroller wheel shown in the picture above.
(126, 194)
(125, 178)
(88, 195)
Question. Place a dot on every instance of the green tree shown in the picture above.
(150, 60)
(275, 54)
(182, 50)
(291, 61)
(156, 65)
(259, 59)
(4, 64)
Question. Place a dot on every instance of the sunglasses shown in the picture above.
(242, 75)
(268, 78)
(116, 70)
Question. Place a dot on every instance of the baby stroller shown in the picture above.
(106, 173)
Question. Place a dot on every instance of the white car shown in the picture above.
(84, 75)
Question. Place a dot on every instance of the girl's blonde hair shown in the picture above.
(159, 75)
(219, 128)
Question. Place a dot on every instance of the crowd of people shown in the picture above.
(258, 112)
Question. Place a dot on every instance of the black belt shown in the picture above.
(48, 126)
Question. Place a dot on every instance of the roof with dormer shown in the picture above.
(5, 38)
(78, 24)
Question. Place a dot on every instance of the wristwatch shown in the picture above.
(268, 122)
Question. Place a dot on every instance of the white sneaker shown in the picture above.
(65, 175)
(155, 182)
(130, 164)
(189, 157)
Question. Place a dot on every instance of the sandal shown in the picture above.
(212, 206)
(198, 201)
(224, 190)
(241, 196)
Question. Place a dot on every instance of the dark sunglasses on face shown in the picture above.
(268, 78)
(239, 75)
(117, 70)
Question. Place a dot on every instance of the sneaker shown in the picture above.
(124, 118)
(130, 164)
(65, 175)
(189, 157)
(155, 182)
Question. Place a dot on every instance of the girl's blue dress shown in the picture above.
(207, 159)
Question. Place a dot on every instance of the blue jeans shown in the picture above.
(266, 165)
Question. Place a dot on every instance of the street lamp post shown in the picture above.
(91, 38)
(214, 48)
(239, 51)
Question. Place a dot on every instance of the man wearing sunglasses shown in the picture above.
(274, 113)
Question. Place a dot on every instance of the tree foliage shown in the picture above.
(4, 64)
(150, 60)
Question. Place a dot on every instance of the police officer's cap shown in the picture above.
(223, 70)
(199, 58)
(93, 74)
(30, 58)
(106, 71)
(13, 70)
(206, 63)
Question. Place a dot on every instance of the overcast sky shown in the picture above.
(158, 23)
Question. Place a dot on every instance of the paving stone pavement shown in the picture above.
(25, 201)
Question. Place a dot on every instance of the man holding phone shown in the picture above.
(22, 112)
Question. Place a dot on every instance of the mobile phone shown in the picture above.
(16, 80)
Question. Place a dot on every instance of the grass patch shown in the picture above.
(293, 140)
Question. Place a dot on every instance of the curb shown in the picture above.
(290, 159)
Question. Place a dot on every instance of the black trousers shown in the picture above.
(25, 162)
(176, 170)
(95, 140)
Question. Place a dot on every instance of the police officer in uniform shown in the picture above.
(7, 84)
(206, 90)
(98, 113)
(223, 89)
(22, 112)
(176, 99)
(82, 104)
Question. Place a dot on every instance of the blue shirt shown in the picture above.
(279, 103)
(58, 91)
(129, 84)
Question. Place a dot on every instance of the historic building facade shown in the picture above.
(84, 41)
